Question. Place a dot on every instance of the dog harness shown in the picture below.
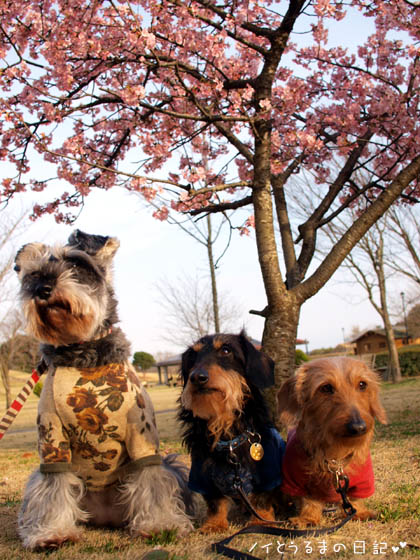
(209, 476)
(97, 422)
(298, 482)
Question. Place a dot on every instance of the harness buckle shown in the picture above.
(232, 458)
(342, 485)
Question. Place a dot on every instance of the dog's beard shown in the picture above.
(218, 405)
(324, 440)
(66, 318)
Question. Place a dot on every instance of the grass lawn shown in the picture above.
(396, 457)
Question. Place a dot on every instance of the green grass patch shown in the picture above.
(162, 538)
(170, 446)
(107, 548)
(11, 500)
(406, 382)
(405, 503)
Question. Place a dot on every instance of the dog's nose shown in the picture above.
(199, 377)
(356, 427)
(43, 291)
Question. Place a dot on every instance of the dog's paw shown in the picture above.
(212, 527)
(365, 514)
(54, 542)
(266, 514)
(301, 522)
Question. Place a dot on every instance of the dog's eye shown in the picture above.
(225, 349)
(327, 388)
(362, 386)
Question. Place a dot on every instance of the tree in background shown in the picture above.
(367, 265)
(189, 310)
(404, 226)
(413, 321)
(10, 320)
(206, 235)
(375, 276)
(207, 231)
(355, 332)
(9, 332)
(25, 355)
(143, 360)
(111, 93)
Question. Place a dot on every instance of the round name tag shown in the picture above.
(256, 451)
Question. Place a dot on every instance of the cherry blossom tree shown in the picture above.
(139, 94)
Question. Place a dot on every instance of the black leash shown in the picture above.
(222, 548)
(341, 487)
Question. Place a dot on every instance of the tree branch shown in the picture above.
(338, 253)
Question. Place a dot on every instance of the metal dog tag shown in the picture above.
(256, 451)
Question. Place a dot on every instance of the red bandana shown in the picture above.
(297, 482)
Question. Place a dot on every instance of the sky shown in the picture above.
(151, 250)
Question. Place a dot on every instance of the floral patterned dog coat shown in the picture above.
(97, 422)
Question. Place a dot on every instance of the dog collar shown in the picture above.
(337, 465)
(256, 450)
(232, 443)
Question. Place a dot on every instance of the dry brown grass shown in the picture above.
(396, 456)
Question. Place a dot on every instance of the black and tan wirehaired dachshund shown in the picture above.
(227, 427)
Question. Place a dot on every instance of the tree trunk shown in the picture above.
(393, 363)
(279, 336)
(215, 300)
(279, 342)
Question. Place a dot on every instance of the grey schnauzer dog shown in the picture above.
(97, 435)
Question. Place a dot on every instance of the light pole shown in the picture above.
(405, 316)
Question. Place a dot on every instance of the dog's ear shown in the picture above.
(379, 412)
(291, 397)
(259, 368)
(289, 404)
(374, 382)
(28, 253)
(376, 408)
(101, 247)
(187, 362)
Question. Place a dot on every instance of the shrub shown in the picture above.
(300, 357)
(409, 360)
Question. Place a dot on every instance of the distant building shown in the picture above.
(168, 369)
(373, 341)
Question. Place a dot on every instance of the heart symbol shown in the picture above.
(395, 549)
(403, 544)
